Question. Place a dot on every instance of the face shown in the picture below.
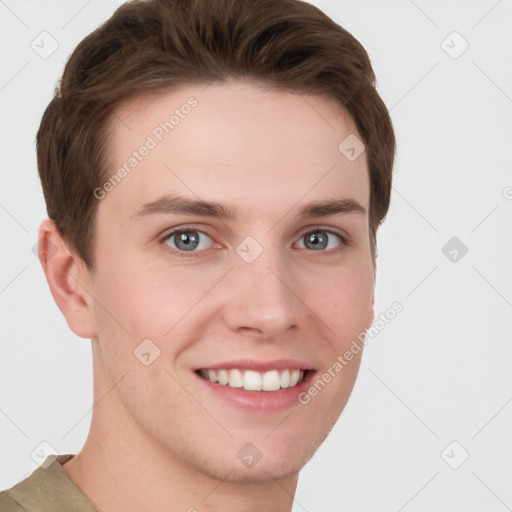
(218, 258)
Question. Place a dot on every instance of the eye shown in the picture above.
(322, 239)
(187, 240)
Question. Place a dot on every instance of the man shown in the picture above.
(214, 173)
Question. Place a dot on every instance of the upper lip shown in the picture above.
(258, 365)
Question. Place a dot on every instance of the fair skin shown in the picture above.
(162, 437)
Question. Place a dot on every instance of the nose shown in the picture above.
(261, 299)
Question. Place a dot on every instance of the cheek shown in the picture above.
(144, 300)
(343, 300)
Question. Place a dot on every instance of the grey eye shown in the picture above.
(320, 240)
(188, 241)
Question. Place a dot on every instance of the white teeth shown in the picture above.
(285, 379)
(294, 377)
(236, 379)
(251, 380)
(271, 381)
(223, 377)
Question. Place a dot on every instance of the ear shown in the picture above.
(68, 279)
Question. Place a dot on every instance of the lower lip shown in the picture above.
(260, 400)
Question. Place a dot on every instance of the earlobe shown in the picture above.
(68, 280)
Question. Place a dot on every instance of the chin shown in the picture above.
(261, 472)
(273, 465)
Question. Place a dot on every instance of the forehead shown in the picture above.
(234, 142)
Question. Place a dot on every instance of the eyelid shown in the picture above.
(345, 238)
(187, 227)
(329, 229)
(346, 241)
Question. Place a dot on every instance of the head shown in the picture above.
(245, 110)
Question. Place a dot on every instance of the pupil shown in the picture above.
(189, 241)
(317, 241)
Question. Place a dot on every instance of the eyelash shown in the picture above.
(345, 240)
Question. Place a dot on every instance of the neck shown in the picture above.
(122, 469)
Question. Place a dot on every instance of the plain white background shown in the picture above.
(439, 373)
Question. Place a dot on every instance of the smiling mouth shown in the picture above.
(251, 380)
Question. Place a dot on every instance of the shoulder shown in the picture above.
(47, 489)
(31, 493)
(22, 496)
(9, 504)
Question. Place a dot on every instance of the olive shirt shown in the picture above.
(47, 489)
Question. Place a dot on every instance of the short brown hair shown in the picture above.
(154, 46)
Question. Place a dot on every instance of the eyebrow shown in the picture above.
(167, 205)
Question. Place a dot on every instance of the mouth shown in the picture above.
(255, 386)
(253, 380)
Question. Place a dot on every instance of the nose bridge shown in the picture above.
(260, 290)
